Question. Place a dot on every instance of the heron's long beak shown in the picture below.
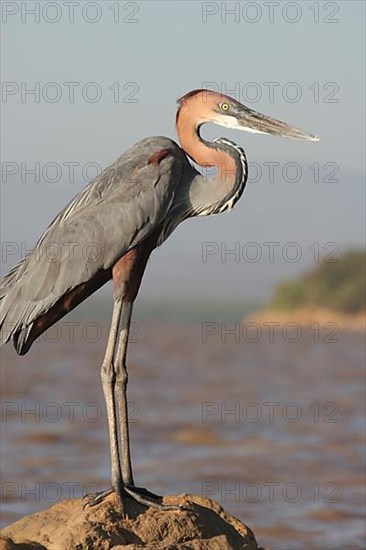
(251, 121)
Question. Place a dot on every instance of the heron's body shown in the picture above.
(109, 231)
(77, 253)
(89, 239)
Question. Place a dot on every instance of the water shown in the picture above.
(272, 430)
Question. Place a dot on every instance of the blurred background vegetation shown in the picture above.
(337, 285)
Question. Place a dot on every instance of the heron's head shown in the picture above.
(208, 106)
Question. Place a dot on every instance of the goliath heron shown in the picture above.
(128, 210)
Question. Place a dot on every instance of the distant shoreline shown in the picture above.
(308, 316)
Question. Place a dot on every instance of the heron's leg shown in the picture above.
(108, 382)
(121, 392)
(141, 495)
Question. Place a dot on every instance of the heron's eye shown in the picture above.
(224, 106)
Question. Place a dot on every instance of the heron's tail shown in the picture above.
(26, 310)
(12, 312)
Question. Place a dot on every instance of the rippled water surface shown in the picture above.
(272, 430)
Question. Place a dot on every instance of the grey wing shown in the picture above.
(112, 214)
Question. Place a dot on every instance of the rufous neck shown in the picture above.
(187, 125)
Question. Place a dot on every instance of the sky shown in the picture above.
(107, 74)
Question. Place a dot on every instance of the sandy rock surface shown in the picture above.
(202, 525)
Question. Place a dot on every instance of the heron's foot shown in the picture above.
(92, 499)
(143, 492)
(149, 499)
(139, 494)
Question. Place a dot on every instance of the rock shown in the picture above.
(201, 525)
